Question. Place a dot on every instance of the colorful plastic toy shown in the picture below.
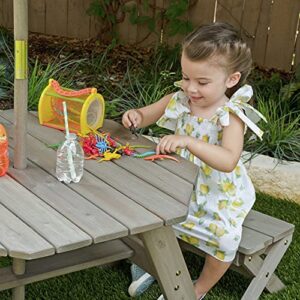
(160, 156)
(85, 108)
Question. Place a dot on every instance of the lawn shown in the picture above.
(111, 283)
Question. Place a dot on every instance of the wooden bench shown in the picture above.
(265, 239)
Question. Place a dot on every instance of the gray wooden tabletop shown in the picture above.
(40, 216)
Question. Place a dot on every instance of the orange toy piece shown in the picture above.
(85, 108)
(4, 160)
(160, 156)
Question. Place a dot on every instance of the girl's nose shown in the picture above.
(192, 88)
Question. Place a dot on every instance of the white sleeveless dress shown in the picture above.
(220, 200)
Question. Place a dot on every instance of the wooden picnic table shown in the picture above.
(120, 209)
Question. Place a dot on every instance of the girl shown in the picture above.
(209, 130)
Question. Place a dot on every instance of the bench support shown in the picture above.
(164, 253)
(18, 268)
(263, 270)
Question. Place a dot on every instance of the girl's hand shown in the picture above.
(132, 117)
(170, 143)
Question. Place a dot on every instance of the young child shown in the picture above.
(209, 116)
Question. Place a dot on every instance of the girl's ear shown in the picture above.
(233, 79)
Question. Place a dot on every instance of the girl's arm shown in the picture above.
(145, 116)
(223, 158)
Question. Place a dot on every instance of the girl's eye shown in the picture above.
(185, 78)
(203, 83)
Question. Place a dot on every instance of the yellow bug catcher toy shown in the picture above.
(85, 108)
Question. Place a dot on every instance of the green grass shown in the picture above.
(111, 283)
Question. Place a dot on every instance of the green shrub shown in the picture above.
(6, 64)
(64, 70)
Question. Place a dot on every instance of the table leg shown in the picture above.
(18, 267)
(172, 274)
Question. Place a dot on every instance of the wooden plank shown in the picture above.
(19, 239)
(1, 13)
(202, 12)
(171, 269)
(100, 226)
(186, 170)
(282, 34)
(78, 25)
(253, 241)
(60, 264)
(137, 218)
(297, 47)
(268, 225)
(261, 35)
(161, 178)
(37, 15)
(8, 19)
(126, 30)
(177, 38)
(146, 195)
(55, 228)
(144, 36)
(250, 20)
(269, 265)
(3, 251)
(56, 17)
(230, 11)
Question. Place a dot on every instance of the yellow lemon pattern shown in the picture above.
(190, 239)
(206, 170)
(237, 171)
(220, 201)
(204, 189)
(205, 138)
(228, 187)
(188, 225)
(189, 129)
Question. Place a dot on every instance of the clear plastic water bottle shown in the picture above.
(69, 160)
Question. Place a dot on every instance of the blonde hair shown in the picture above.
(223, 42)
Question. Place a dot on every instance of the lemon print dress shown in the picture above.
(220, 200)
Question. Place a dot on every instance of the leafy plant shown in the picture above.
(63, 70)
(6, 64)
(281, 139)
(142, 12)
(134, 91)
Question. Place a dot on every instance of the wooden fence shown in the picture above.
(269, 26)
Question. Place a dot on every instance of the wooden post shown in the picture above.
(21, 82)
(18, 267)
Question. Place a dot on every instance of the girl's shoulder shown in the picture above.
(238, 105)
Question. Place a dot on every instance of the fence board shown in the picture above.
(144, 36)
(173, 40)
(230, 11)
(280, 46)
(56, 17)
(202, 12)
(8, 19)
(127, 31)
(78, 19)
(261, 37)
(254, 17)
(250, 20)
(297, 48)
(36, 15)
(1, 13)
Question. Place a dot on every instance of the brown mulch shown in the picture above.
(47, 48)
